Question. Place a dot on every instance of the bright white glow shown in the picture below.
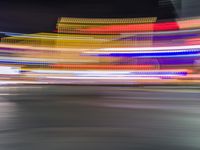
(79, 72)
(104, 72)
(9, 70)
(151, 48)
(106, 78)
(136, 52)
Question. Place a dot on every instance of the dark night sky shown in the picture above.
(37, 16)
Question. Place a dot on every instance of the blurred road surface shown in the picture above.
(99, 118)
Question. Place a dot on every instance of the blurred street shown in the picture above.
(99, 117)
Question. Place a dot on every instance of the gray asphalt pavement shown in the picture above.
(99, 118)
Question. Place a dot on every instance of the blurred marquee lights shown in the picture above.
(143, 25)
(88, 40)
